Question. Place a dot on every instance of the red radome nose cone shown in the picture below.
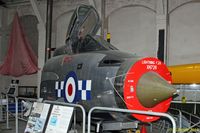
(147, 88)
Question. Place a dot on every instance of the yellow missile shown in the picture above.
(185, 74)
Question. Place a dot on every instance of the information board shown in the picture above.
(37, 118)
(59, 119)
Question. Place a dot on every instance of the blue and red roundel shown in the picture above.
(71, 87)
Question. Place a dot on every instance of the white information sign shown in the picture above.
(60, 119)
(37, 118)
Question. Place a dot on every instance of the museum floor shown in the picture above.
(21, 127)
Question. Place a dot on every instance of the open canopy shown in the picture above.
(20, 59)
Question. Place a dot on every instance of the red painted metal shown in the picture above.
(130, 85)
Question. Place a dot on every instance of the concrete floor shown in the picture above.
(21, 127)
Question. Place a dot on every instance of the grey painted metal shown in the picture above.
(130, 111)
(49, 16)
(16, 112)
(98, 127)
(34, 4)
(189, 102)
(1, 113)
(16, 115)
(188, 129)
(103, 16)
(190, 91)
(7, 114)
(102, 88)
(180, 119)
(186, 102)
(191, 116)
(74, 119)
(118, 126)
(29, 99)
(1, 110)
(72, 105)
(92, 3)
(195, 108)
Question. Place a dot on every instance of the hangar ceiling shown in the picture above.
(9, 2)
(6, 3)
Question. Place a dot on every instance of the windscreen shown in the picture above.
(85, 20)
(89, 24)
(96, 43)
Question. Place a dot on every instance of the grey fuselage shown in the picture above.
(100, 67)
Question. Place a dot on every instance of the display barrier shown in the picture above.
(180, 117)
(84, 113)
(130, 111)
(16, 110)
(34, 100)
(71, 105)
(3, 102)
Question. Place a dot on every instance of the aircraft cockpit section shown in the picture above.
(88, 44)
(85, 21)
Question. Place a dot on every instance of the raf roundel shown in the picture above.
(71, 87)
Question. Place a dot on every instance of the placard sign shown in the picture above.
(59, 119)
(37, 118)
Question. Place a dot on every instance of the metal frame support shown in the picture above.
(92, 2)
(49, 17)
(131, 111)
(41, 42)
(161, 24)
(46, 101)
(1, 104)
(103, 16)
(41, 54)
(16, 115)
(188, 102)
(180, 118)
(16, 111)
(7, 114)
(72, 105)
(34, 4)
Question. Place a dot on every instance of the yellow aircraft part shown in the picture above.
(185, 74)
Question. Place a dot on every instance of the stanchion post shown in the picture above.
(7, 113)
(16, 115)
(180, 121)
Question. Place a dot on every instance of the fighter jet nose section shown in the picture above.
(147, 87)
(153, 89)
